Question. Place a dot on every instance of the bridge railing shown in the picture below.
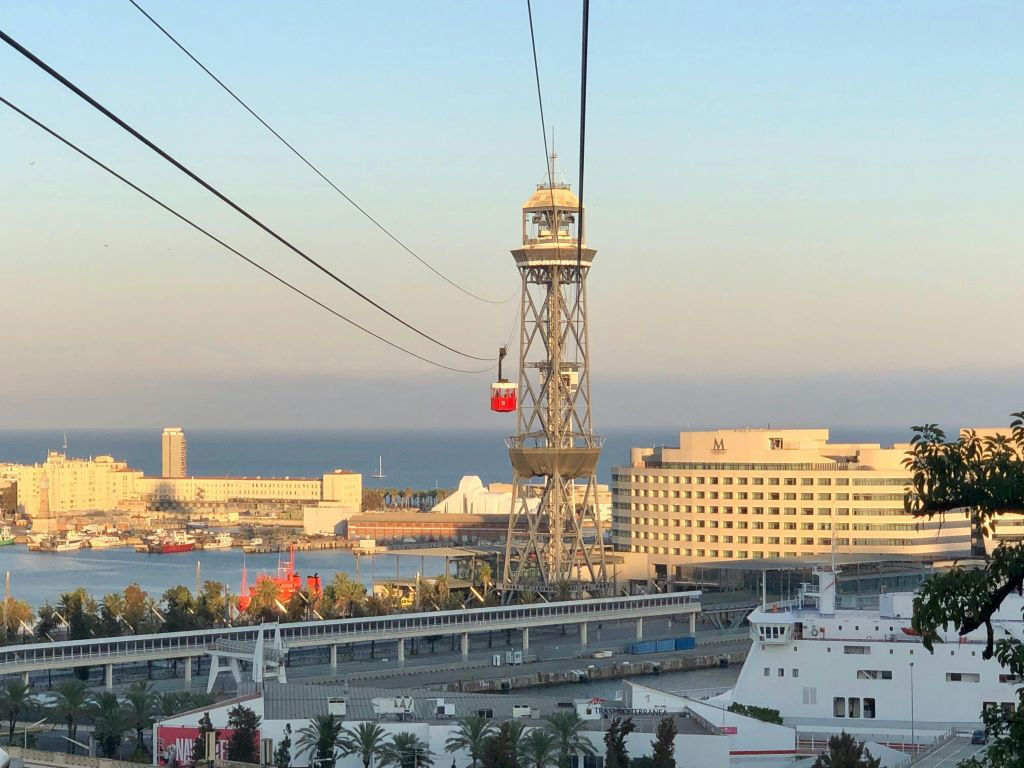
(181, 644)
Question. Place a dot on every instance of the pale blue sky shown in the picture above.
(804, 211)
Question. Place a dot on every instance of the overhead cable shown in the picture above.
(220, 195)
(251, 262)
(312, 167)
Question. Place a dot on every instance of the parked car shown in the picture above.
(979, 737)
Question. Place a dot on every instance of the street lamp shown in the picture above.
(913, 740)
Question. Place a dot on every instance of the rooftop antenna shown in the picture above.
(65, 444)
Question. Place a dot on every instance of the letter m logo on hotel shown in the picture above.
(719, 444)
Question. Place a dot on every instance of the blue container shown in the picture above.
(645, 647)
(666, 645)
(685, 643)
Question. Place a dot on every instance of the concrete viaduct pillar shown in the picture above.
(640, 628)
(334, 657)
(401, 650)
(108, 677)
(583, 634)
(693, 623)
(188, 669)
(526, 640)
(465, 645)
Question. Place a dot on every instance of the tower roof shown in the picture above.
(553, 191)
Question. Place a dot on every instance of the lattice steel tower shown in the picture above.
(555, 543)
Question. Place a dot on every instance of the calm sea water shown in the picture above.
(38, 577)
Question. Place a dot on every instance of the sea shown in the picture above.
(417, 459)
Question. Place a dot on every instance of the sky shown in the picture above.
(805, 213)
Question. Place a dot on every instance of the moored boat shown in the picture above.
(176, 541)
(222, 540)
(6, 536)
(105, 541)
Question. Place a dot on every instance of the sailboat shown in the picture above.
(380, 469)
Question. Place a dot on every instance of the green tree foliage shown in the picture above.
(283, 752)
(199, 745)
(111, 614)
(846, 752)
(341, 596)
(71, 702)
(567, 728)
(320, 739)
(213, 604)
(539, 749)
(263, 602)
(80, 612)
(471, 733)
(110, 721)
(765, 714)
(15, 615)
(179, 610)
(983, 478)
(615, 753)
(14, 698)
(665, 744)
(242, 746)
(500, 748)
(47, 622)
(406, 750)
(141, 708)
(365, 741)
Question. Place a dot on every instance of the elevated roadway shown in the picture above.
(34, 657)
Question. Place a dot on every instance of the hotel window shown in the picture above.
(824, 481)
(790, 481)
(773, 481)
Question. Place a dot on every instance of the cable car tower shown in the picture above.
(554, 542)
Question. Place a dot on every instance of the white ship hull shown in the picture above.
(858, 670)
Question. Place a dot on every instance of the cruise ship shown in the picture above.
(828, 669)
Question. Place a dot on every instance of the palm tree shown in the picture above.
(366, 741)
(406, 750)
(14, 697)
(566, 728)
(320, 740)
(344, 593)
(141, 703)
(110, 720)
(538, 749)
(516, 733)
(263, 602)
(72, 698)
(470, 734)
(16, 614)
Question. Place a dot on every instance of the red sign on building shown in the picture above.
(174, 743)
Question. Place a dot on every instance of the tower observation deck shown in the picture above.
(559, 548)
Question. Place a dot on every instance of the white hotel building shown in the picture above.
(736, 494)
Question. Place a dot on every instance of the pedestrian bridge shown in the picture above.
(33, 657)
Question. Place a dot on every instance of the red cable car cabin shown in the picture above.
(503, 396)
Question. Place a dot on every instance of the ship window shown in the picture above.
(854, 706)
(782, 672)
(963, 677)
(862, 650)
(869, 708)
(839, 707)
(810, 695)
(767, 672)
(1009, 678)
(796, 673)
(874, 674)
(1007, 707)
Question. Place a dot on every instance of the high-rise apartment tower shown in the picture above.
(174, 455)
